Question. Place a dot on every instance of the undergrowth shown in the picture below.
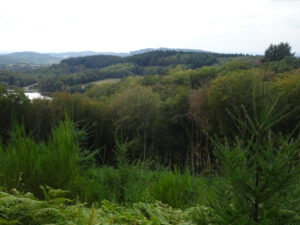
(27, 210)
(26, 164)
(257, 184)
(60, 163)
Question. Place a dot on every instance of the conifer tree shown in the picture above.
(259, 171)
(278, 52)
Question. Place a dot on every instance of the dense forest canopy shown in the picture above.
(71, 73)
(165, 114)
(153, 58)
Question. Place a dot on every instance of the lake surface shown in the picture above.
(35, 95)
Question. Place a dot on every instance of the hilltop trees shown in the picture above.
(278, 52)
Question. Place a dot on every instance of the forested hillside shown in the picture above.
(219, 143)
(28, 58)
(71, 73)
(12, 78)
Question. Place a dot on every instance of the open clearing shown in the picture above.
(109, 80)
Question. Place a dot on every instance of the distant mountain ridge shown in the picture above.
(164, 49)
(65, 55)
(29, 57)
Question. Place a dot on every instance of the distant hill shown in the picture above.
(3, 52)
(54, 58)
(28, 58)
(64, 55)
(163, 49)
(162, 57)
(71, 73)
(50, 58)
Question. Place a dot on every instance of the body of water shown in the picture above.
(35, 95)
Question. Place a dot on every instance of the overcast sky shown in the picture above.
(246, 26)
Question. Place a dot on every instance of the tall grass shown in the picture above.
(19, 160)
(61, 157)
(26, 164)
(179, 190)
(134, 182)
(127, 182)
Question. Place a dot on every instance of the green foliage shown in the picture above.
(135, 112)
(259, 170)
(228, 93)
(56, 196)
(127, 183)
(284, 65)
(242, 63)
(26, 210)
(103, 92)
(130, 182)
(175, 189)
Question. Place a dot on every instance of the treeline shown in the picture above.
(169, 58)
(153, 58)
(71, 73)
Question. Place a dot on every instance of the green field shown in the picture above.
(109, 80)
